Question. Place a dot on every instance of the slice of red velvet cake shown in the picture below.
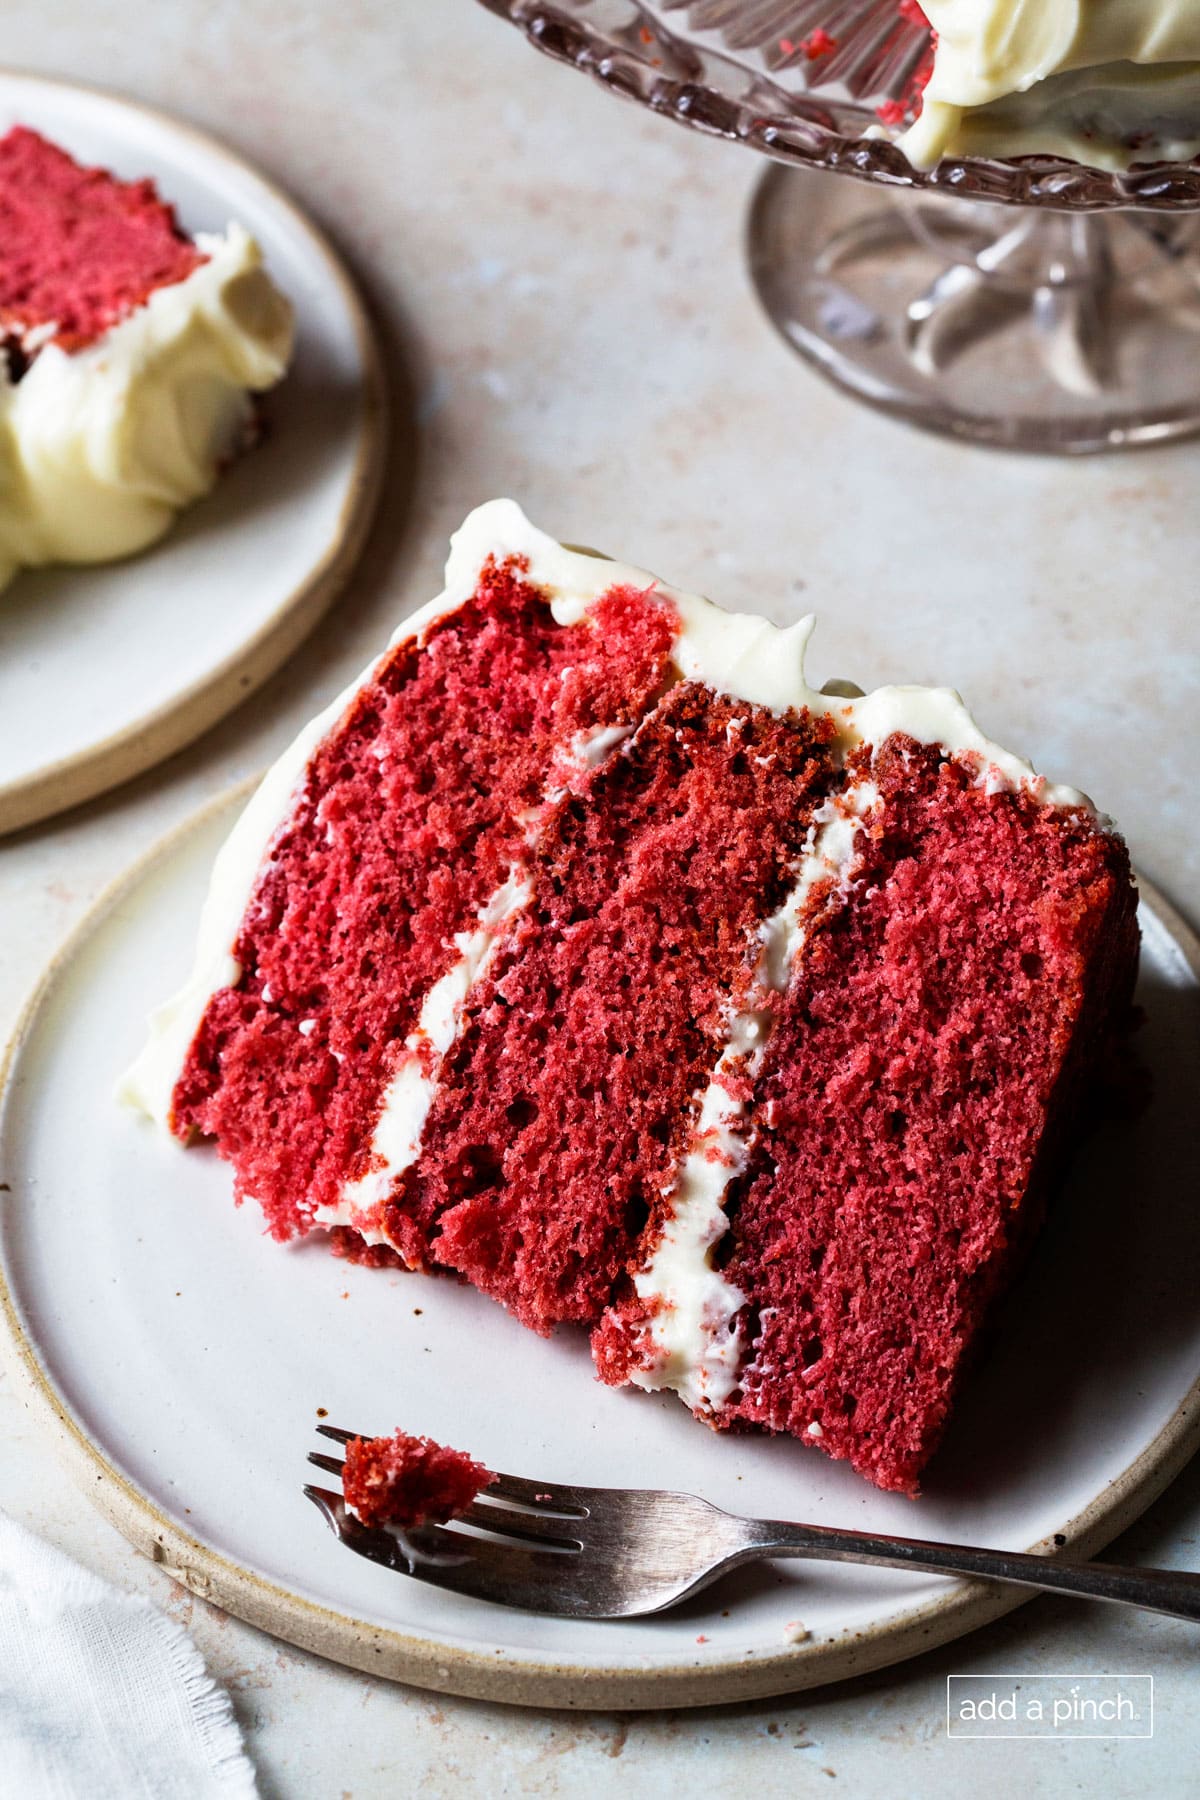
(583, 949)
(409, 1481)
(128, 355)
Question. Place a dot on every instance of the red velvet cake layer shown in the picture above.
(413, 812)
(409, 1481)
(562, 1109)
(79, 250)
(916, 1097)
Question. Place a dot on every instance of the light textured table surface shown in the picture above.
(560, 284)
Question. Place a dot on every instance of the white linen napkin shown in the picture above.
(102, 1697)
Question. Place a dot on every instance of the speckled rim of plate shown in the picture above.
(964, 1606)
(148, 741)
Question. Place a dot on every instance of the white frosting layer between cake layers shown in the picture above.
(100, 447)
(1106, 82)
(694, 1338)
(396, 1142)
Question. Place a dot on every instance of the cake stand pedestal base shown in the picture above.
(1017, 327)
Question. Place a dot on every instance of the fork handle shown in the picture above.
(1171, 1591)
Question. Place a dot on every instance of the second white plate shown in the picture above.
(106, 669)
(182, 1358)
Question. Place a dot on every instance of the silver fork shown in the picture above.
(614, 1553)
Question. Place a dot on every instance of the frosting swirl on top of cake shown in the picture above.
(752, 659)
(101, 446)
(1108, 82)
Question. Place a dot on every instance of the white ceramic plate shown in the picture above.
(184, 1357)
(105, 670)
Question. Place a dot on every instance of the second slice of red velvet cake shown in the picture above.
(129, 357)
(583, 950)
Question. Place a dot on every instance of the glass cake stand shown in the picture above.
(1035, 304)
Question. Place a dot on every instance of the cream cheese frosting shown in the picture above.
(1106, 82)
(412, 1087)
(101, 447)
(694, 1337)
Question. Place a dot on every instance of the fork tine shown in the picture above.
(428, 1553)
(527, 1577)
(508, 1574)
(392, 1550)
(540, 1527)
(542, 1496)
(330, 1464)
(328, 1505)
(531, 1528)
